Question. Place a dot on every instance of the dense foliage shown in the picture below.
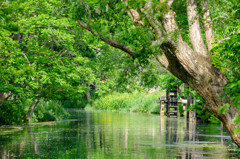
(46, 55)
(39, 56)
(226, 53)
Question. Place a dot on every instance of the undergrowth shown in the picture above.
(134, 102)
(50, 111)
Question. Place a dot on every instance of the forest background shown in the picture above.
(49, 62)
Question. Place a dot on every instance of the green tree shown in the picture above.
(39, 54)
(46, 55)
(171, 32)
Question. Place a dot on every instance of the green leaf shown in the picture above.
(223, 109)
(236, 119)
(236, 130)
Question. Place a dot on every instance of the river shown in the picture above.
(115, 135)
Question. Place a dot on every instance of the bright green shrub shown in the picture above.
(134, 102)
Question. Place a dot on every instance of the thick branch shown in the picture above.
(162, 59)
(194, 28)
(197, 64)
(4, 97)
(207, 24)
(155, 24)
(108, 41)
(180, 51)
(31, 109)
(168, 2)
(134, 15)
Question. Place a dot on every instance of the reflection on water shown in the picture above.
(118, 135)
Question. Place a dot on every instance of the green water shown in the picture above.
(116, 136)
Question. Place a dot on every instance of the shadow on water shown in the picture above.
(118, 135)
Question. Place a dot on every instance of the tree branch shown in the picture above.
(1, 7)
(89, 11)
(31, 109)
(134, 15)
(182, 52)
(194, 28)
(4, 97)
(108, 41)
(221, 16)
(25, 56)
(162, 59)
(207, 24)
(168, 2)
(222, 40)
(29, 63)
(155, 24)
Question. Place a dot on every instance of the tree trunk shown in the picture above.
(207, 22)
(194, 67)
(31, 109)
(88, 94)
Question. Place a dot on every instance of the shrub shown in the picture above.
(134, 102)
(49, 111)
(12, 114)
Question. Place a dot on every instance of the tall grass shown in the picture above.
(134, 102)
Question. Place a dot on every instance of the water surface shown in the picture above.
(117, 135)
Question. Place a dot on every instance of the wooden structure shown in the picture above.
(184, 102)
(162, 101)
(172, 102)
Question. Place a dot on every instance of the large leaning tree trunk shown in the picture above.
(192, 65)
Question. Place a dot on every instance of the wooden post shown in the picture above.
(222, 133)
(184, 102)
(161, 100)
(192, 113)
(162, 108)
(167, 100)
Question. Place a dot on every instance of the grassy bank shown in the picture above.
(134, 102)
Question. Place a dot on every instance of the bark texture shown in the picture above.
(192, 65)
(207, 22)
